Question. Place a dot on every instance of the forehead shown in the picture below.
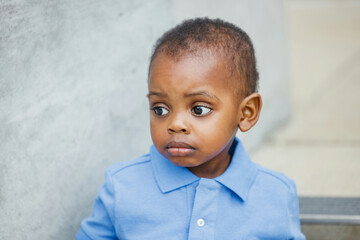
(205, 69)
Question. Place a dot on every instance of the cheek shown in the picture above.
(215, 133)
(219, 124)
(156, 130)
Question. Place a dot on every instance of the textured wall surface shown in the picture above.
(72, 97)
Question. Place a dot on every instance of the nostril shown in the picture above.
(180, 130)
(171, 130)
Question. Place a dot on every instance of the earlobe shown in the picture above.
(250, 109)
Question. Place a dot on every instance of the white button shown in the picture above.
(200, 222)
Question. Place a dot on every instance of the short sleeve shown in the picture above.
(100, 225)
(293, 213)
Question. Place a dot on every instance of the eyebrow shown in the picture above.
(203, 93)
(151, 93)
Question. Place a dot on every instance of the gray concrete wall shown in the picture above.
(72, 97)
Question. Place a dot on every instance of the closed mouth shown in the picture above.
(179, 149)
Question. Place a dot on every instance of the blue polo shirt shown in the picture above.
(151, 198)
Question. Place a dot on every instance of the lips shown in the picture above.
(179, 149)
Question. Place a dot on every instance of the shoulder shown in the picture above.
(275, 178)
(130, 166)
(134, 178)
(276, 188)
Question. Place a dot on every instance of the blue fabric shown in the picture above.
(151, 198)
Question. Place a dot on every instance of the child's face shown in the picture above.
(194, 112)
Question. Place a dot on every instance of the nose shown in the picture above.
(178, 124)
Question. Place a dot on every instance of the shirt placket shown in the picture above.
(203, 217)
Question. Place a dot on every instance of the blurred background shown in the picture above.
(72, 102)
(319, 147)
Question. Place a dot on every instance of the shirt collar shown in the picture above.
(238, 177)
(169, 176)
(240, 174)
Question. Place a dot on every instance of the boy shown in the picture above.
(197, 182)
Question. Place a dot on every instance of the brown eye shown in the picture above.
(200, 110)
(161, 111)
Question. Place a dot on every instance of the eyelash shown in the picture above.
(201, 106)
(155, 108)
(159, 110)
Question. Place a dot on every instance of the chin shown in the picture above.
(183, 162)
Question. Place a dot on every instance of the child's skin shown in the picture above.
(202, 88)
(195, 112)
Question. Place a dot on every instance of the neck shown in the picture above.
(212, 169)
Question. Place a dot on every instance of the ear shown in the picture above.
(249, 111)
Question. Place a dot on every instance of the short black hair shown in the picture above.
(224, 38)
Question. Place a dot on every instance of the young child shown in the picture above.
(197, 182)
